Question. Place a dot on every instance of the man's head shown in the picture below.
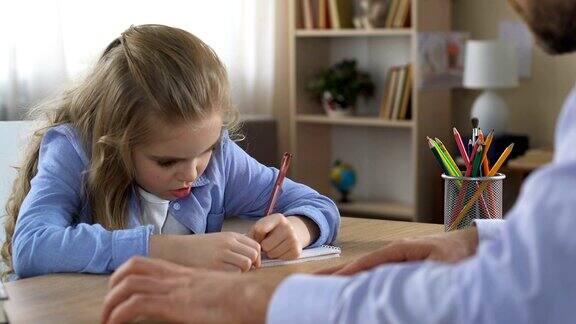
(553, 22)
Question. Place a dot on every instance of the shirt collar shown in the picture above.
(149, 197)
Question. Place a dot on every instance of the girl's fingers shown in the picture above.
(248, 241)
(241, 261)
(291, 254)
(274, 238)
(265, 225)
(248, 251)
(254, 245)
(281, 249)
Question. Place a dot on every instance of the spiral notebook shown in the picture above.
(311, 254)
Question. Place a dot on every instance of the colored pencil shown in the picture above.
(481, 189)
(477, 160)
(437, 156)
(450, 160)
(461, 147)
(485, 162)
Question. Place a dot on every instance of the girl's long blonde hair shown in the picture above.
(150, 73)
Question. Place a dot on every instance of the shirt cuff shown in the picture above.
(317, 217)
(128, 243)
(488, 228)
(305, 299)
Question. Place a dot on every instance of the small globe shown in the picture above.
(343, 178)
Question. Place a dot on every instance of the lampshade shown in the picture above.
(490, 64)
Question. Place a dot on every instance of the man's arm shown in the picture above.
(519, 276)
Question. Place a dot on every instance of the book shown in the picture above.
(392, 13)
(307, 14)
(341, 12)
(387, 92)
(401, 17)
(333, 13)
(322, 14)
(322, 252)
(391, 93)
(407, 94)
(398, 92)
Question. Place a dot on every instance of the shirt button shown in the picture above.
(176, 206)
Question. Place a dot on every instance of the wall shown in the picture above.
(281, 83)
(535, 104)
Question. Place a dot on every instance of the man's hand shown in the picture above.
(448, 247)
(154, 289)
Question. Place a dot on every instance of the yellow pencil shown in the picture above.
(481, 189)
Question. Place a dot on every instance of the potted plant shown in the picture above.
(339, 87)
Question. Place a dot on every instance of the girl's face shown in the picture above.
(176, 156)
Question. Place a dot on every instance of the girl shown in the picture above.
(137, 157)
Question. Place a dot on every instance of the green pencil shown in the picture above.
(437, 156)
(451, 165)
(477, 161)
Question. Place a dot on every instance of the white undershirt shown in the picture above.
(155, 212)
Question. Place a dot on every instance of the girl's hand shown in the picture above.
(283, 237)
(226, 251)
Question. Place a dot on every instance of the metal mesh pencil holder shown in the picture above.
(466, 199)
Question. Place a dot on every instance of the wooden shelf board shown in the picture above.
(355, 121)
(393, 32)
(378, 209)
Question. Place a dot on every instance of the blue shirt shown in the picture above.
(524, 270)
(55, 232)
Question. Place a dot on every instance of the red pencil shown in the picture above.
(461, 147)
(279, 180)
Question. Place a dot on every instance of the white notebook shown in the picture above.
(318, 253)
(313, 254)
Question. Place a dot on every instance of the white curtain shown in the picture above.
(46, 43)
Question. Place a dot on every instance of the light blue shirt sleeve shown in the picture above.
(48, 238)
(249, 185)
(488, 228)
(523, 273)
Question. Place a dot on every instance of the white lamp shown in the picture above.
(490, 65)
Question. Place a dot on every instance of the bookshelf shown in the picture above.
(397, 177)
(354, 32)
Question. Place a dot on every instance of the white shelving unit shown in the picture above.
(397, 176)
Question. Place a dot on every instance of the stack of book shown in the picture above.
(397, 13)
(338, 14)
(397, 97)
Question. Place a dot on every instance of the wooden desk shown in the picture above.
(531, 160)
(77, 298)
